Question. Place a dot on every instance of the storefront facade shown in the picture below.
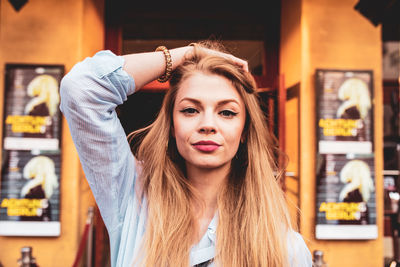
(306, 36)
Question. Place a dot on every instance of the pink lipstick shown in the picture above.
(206, 146)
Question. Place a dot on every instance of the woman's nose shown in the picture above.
(207, 124)
(207, 130)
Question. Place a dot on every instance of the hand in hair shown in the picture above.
(214, 48)
(238, 61)
(146, 67)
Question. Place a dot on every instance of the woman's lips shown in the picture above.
(206, 146)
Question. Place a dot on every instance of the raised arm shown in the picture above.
(90, 92)
(146, 67)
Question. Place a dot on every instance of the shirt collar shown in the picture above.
(205, 249)
(212, 228)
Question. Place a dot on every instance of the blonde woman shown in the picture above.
(200, 190)
(356, 175)
(44, 102)
(355, 94)
(40, 171)
(44, 91)
(356, 104)
(43, 181)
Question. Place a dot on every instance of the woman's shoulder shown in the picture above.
(299, 254)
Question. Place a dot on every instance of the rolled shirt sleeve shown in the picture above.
(90, 92)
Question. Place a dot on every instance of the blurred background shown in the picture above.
(301, 53)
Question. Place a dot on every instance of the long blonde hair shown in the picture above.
(253, 221)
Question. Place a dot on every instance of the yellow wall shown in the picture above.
(331, 34)
(53, 32)
(292, 181)
(290, 53)
(290, 67)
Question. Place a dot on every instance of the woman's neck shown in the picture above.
(208, 184)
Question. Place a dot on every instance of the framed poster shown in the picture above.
(344, 111)
(346, 206)
(345, 189)
(31, 158)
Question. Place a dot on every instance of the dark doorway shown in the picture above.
(249, 30)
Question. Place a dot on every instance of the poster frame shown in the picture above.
(33, 228)
(343, 232)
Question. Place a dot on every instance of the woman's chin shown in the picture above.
(209, 165)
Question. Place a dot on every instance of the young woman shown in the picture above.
(201, 189)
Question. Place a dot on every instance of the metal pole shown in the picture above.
(89, 244)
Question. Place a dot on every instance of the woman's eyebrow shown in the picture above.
(220, 103)
(227, 101)
(194, 100)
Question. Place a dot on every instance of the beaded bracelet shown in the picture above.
(168, 64)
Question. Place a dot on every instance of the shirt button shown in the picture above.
(212, 231)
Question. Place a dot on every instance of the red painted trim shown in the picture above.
(156, 86)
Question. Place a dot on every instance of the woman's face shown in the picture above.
(209, 116)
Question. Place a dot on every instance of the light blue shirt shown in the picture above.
(90, 92)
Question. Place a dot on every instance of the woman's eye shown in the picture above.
(228, 113)
(189, 111)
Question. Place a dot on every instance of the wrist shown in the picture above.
(168, 64)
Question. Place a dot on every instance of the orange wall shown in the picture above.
(331, 34)
(290, 67)
(53, 32)
(290, 52)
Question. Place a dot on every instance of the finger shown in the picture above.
(240, 62)
(243, 64)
